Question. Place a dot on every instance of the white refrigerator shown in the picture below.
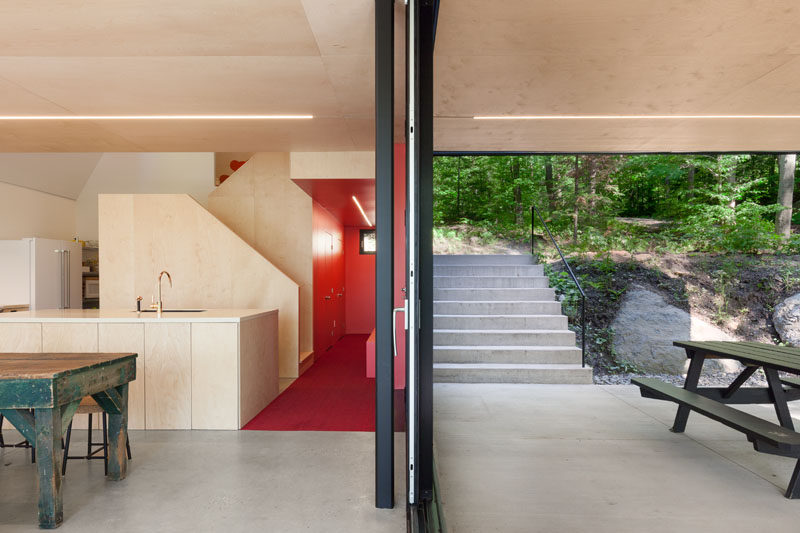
(41, 273)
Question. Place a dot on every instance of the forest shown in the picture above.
(705, 203)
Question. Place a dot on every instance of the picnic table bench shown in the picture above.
(39, 394)
(714, 402)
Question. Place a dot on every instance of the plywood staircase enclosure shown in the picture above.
(211, 266)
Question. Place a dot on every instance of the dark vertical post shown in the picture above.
(48, 443)
(384, 259)
(692, 378)
(116, 454)
(427, 22)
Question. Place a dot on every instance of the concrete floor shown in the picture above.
(198, 481)
(574, 458)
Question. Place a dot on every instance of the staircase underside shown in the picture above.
(497, 321)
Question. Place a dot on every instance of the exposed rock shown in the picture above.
(787, 320)
(646, 326)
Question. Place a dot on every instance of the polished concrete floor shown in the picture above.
(574, 458)
(206, 481)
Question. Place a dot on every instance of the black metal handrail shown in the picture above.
(534, 214)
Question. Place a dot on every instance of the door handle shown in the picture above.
(67, 302)
(61, 296)
(394, 323)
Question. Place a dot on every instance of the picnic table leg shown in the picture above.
(48, 447)
(793, 491)
(779, 398)
(118, 437)
(692, 379)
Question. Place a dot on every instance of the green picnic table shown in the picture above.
(39, 394)
(714, 402)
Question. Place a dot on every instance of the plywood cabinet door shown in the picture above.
(21, 338)
(215, 375)
(168, 376)
(69, 337)
(128, 338)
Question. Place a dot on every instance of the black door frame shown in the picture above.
(384, 256)
(427, 12)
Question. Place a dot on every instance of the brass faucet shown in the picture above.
(159, 305)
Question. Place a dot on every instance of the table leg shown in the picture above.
(48, 446)
(692, 379)
(778, 398)
(118, 436)
(793, 490)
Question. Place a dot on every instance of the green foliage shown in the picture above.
(748, 228)
(706, 202)
(566, 290)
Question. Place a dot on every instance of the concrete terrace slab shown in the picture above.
(214, 481)
(573, 458)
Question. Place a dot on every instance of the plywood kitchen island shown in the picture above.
(214, 369)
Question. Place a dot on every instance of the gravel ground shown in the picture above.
(707, 379)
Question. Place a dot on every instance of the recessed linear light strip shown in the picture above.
(156, 117)
(630, 117)
(363, 214)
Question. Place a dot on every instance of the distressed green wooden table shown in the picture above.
(39, 394)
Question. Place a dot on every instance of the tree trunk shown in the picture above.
(783, 220)
(591, 182)
(732, 183)
(458, 192)
(549, 185)
(518, 218)
(575, 206)
(691, 181)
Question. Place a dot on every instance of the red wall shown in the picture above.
(329, 278)
(359, 282)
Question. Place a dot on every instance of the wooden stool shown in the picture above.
(89, 406)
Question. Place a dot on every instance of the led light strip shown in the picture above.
(363, 214)
(629, 117)
(156, 117)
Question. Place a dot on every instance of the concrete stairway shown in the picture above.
(497, 321)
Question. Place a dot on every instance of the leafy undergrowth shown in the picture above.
(464, 239)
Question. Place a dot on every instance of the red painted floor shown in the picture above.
(333, 395)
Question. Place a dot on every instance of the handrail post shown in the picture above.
(534, 211)
(583, 331)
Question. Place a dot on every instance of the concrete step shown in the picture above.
(490, 282)
(499, 322)
(451, 307)
(488, 270)
(482, 337)
(522, 259)
(507, 354)
(495, 295)
(511, 373)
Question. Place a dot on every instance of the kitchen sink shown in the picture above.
(173, 311)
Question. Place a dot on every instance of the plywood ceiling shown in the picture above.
(315, 56)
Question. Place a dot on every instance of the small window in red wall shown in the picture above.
(367, 242)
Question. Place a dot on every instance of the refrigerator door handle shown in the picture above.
(61, 273)
(67, 299)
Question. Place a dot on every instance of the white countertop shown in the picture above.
(125, 315)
